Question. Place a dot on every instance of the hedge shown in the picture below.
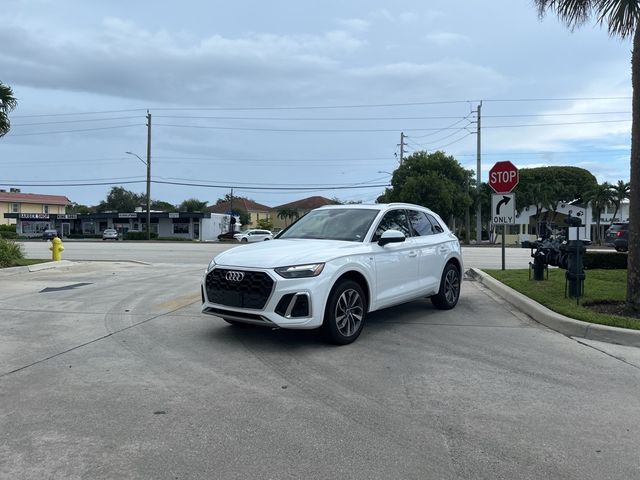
(8, 234)
(605, 260)
(139, 235)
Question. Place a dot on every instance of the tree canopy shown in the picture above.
(7, 104)
(193, 205)
(434, 180)
(122, 200)
(545, 187)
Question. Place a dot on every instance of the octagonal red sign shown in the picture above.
(503, 177)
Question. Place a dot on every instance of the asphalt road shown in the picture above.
(188, 253)
(109, 371)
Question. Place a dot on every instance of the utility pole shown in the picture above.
(148, 175)
(232, 218)
(467, 216)
(401, 147)
(479, 178)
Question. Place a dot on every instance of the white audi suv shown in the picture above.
(335, 265)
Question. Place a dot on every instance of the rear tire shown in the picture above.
(345, 313)
(449, 293)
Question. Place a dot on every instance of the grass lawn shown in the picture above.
(600, 286)
(23, 262)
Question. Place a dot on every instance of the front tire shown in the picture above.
(244, 240)
(449, 293)
(345, 312)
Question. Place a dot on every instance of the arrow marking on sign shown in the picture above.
(505, 200)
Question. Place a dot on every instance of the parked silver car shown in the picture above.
(110, 234)
(253, 235)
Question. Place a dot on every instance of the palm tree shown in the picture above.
(600, 198)
(620, 193)
(193, 205)
(621, 18)
(7, 104)
(287, 214)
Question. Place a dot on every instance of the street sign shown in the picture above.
(503, 209)
(503, 177)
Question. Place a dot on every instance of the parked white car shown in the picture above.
(110, 234)
(333, 266)
(247, 236)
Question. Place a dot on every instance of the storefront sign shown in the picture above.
(174, 215)
(40, 216)
(127, 215)
(67, 216)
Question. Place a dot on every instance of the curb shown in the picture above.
(555, 321)
(5, 272)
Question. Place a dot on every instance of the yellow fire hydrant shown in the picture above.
(56, 249)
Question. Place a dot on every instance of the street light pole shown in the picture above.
(148, 175)
(148, 189)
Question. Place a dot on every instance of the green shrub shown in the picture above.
(174, 239)
(594, 260)
(7, 228)
(9, 252)
(8, 234)
(139, 236)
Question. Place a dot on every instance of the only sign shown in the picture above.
(503, 177)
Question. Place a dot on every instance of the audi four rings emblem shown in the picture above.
(234, 276)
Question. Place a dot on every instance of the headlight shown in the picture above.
(300, 271)
(212, 264)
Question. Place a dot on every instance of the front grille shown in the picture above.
(252, 291)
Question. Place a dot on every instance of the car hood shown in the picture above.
(285, 252)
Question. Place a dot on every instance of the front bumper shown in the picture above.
(289, 303)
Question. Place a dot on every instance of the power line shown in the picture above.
(72, 121)
(308, 130)
(455, 141)
(78, 113)
(189, 184)
(71, 131)
(321, 107)
(555, 124)
(566, 99)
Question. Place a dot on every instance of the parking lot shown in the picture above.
(108, 370)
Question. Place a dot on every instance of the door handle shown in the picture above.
(413, 253)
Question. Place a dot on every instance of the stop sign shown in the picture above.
(503, 177)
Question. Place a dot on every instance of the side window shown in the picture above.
(437, 228)
(393, 220)
(420, 223)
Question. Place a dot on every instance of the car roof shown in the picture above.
(374, 206)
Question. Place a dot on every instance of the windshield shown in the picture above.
(350, 224)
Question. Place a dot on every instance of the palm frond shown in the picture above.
(620, 16)
(573, 13)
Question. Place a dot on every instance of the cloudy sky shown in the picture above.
(282, 100)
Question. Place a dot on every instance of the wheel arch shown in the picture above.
(360, 279)
(458, 264)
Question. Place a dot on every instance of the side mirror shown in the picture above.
(391, 236)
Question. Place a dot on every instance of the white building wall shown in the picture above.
(210, 228)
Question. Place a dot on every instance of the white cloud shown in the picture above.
(125, 60)
(402, 17)
(444, 39)
(356, 24)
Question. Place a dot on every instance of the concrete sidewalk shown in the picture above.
(555, 321)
